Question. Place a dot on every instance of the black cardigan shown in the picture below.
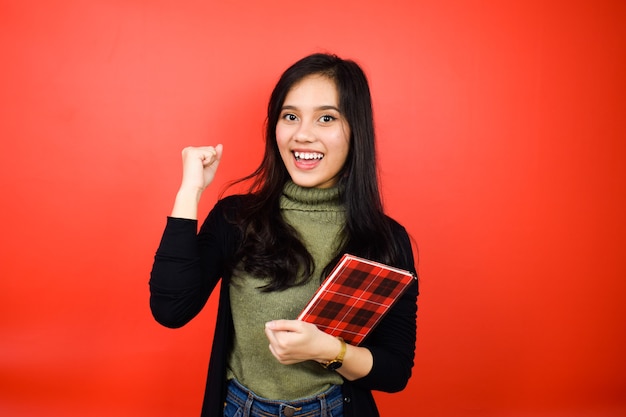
(189, 264)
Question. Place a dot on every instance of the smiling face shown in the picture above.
(312, 135)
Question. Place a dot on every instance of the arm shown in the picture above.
(293, 341)
(177, 290)
(187, 265)
(385, 359)
(392, 342)
(383, 363)
(392, 345)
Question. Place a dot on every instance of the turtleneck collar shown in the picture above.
(296, 197)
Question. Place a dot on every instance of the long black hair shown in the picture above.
(271, 247)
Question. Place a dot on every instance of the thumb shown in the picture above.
(218, 149)
(284, 325)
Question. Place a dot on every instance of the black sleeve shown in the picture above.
(392, 342)
(188, 264)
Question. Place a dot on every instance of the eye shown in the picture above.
(327, 118)
(290, 117)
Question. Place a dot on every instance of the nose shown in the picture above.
(304, 133)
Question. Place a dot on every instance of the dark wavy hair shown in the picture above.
(271, 247)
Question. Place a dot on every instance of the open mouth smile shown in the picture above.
(308, 156)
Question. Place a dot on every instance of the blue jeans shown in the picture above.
(241, 402)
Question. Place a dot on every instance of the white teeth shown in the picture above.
(308, 155)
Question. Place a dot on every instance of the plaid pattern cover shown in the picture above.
(354, 297)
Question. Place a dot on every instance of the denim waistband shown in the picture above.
(326, 404)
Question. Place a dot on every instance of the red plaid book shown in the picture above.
(354, 297)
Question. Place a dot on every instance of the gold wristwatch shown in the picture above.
(338, 361)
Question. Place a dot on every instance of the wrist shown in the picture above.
(186, 203)
(187, 193)
(337, 362)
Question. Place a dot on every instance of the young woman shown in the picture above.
(314, 197)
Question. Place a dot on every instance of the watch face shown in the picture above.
(334, 365)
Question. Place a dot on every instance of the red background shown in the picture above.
(502, 144)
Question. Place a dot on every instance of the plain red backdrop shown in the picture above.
(502, 143)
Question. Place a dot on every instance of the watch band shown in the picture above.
(338, 361)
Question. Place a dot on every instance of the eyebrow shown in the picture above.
(326, 107)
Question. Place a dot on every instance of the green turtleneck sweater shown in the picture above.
(318, 216)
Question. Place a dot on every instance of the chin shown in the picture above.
(304, 184)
